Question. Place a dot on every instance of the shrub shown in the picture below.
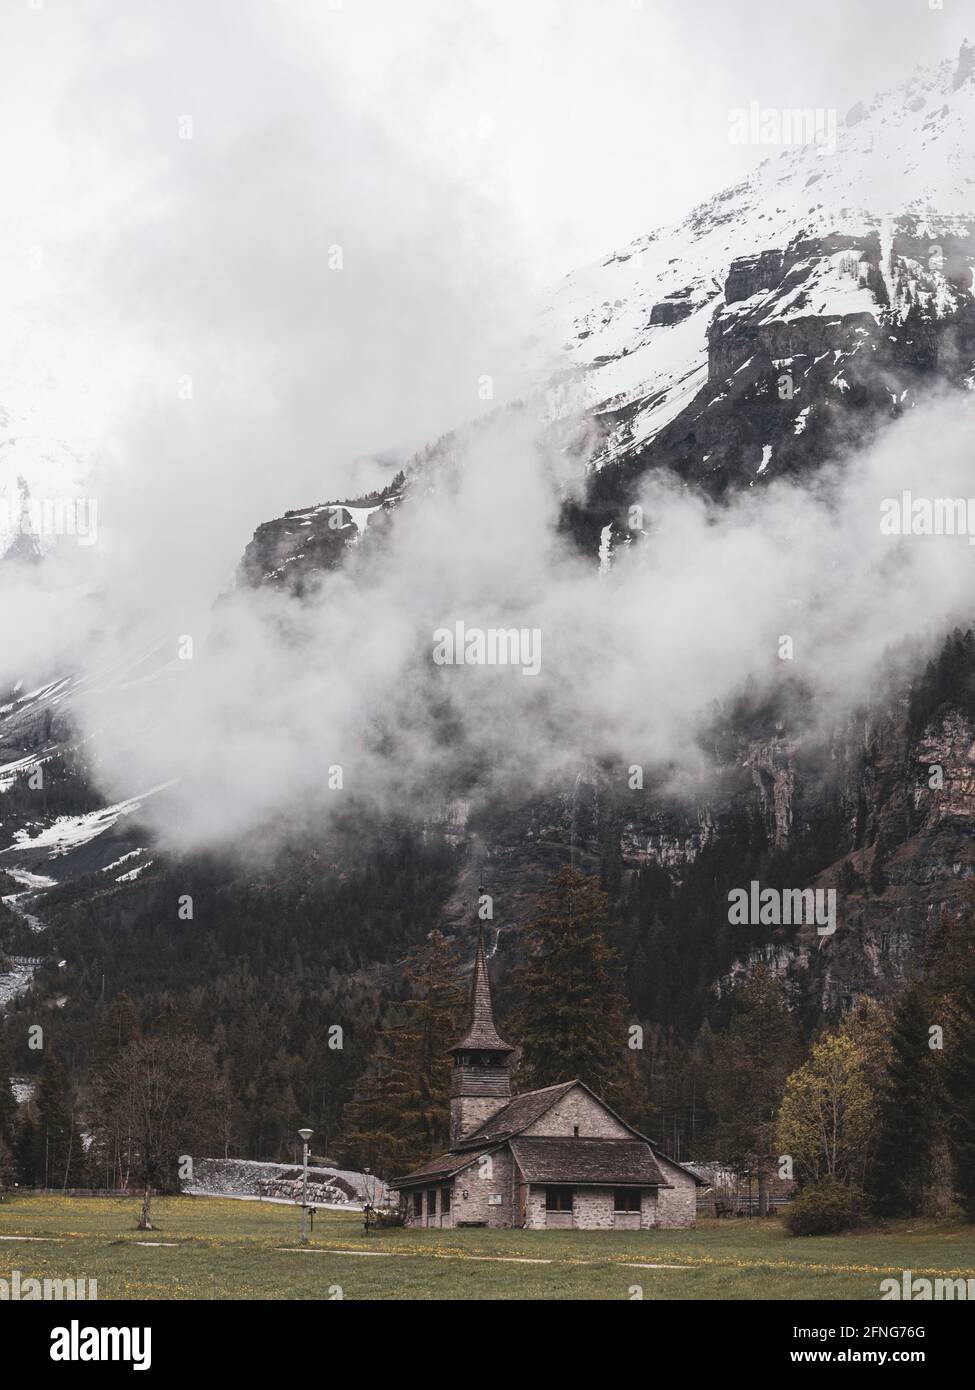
(823, 1209)
(382, 1218)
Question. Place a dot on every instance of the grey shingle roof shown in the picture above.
(518, 1114)
(482, 1032)
(436, 1169)
(624, 1162)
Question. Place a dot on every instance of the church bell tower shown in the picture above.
(480, 1083)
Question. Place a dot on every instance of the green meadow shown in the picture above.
(211, 1248)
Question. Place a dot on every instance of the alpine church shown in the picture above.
(554, 1158)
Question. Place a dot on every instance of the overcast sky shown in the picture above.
(607, 118)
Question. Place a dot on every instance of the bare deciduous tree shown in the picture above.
(166, 1091)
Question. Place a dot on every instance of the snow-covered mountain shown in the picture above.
(818, 252)
(796, 310)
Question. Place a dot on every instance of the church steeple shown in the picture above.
(482, 1033)
(480, 1083)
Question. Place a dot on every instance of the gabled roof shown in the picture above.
(518, 1114)
(482, 1033)
(436, 1169)
(581, 1161)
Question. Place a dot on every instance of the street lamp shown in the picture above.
(304, 1135)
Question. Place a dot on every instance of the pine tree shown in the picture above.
(958, 1073)
(907, 1120)
(752, 1059)
(8, 1117)
(951, 976)
(30, 1172)
(8, 1101)
(117, 1027)
(60, 1154)
(573, 1016)
(8, 1166)
(400, 1114)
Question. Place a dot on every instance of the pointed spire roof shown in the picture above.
(482, 1034)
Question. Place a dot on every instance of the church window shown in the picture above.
(558, 1199)
(432, 1201)
(445, 1200)
(626, 1199)
(418, 1204)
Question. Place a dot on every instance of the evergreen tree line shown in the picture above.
(281, 980)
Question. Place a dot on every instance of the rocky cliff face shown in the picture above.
(286, 553)
(898, 852)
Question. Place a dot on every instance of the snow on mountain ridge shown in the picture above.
(668, 350)
(632, 328)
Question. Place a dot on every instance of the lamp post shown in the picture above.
(304, 1135)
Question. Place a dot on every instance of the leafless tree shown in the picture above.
(166, 1092)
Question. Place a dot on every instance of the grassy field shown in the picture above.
(210, 1248)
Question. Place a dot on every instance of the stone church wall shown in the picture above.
(676, 1205)
(491, 1178)
(648, 1211)
(579, 1108)
(481, 1181)
(592, 1210)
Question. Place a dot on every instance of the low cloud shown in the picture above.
(283, 692)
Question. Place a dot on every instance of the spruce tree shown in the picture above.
(752, 1059)
(8, 1101)
(29, 1169)
(951, 975)
(8, 1166)
(901, 1165)
(573, 1016)
(958, 1073)
(400, 1114)
(60, 1154)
